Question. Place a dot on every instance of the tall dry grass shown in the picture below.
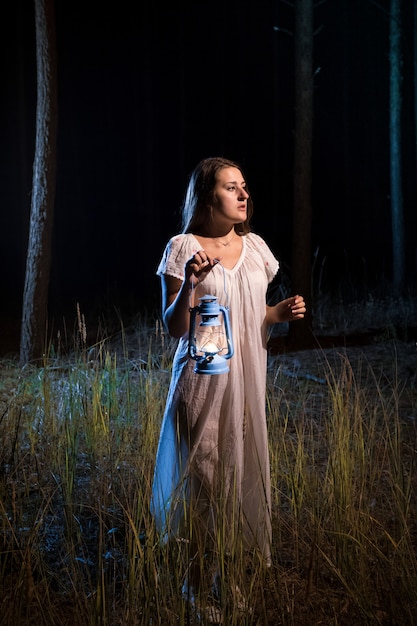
(78, 441)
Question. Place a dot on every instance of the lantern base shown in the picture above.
(211, 365)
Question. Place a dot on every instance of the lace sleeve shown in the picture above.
(177, 252)
(270, 262)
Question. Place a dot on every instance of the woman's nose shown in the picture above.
(243, 194)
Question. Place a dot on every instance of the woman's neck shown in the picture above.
(217, 233)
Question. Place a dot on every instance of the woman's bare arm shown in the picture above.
(178, 296)
(176, 304)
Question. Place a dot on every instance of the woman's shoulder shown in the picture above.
(182, 243)
(180, 239)
(177, 251)
(256, 240)
(261, 248)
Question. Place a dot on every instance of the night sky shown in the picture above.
(146, 91)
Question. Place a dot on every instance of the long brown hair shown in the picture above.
(199, 195)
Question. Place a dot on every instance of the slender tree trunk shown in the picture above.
(35, 296)
(395, 145)
(415, 94)
(300, 333)
(346, 128)
(415, 75)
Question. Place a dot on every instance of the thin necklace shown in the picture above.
(224, 243)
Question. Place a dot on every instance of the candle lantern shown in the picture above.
(211, 344)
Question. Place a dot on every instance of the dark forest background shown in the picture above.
(146, 90)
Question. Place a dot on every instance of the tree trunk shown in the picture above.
(397, 216)
(35, 296)
(415, 77)
(300, 333)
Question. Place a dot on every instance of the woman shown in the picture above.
(212, 479)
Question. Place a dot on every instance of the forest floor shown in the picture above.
(377, 349)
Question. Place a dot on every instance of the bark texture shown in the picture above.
(301, 246)
(397, 208)
(35, 296)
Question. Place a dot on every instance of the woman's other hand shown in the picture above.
(288, 310)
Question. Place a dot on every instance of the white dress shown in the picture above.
(212, 461)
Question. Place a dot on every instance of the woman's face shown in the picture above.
(230, 196)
